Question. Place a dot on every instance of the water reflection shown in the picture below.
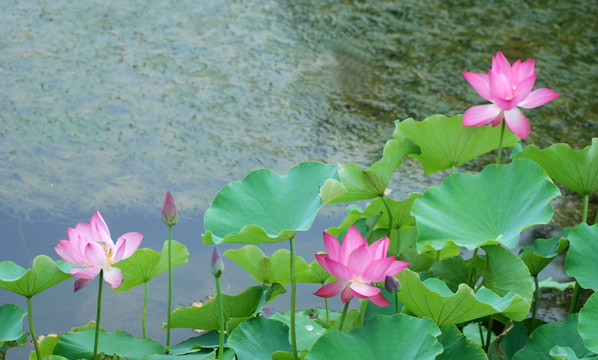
(107, 106)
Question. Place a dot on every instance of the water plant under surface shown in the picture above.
(434, 273)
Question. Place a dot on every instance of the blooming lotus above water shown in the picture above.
(357, 265)
(506, 87)
(91, 248)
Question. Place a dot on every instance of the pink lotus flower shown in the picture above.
(90, 247)
(506, 88)
(357, 265)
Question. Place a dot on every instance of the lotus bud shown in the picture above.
(216, 264)
(391, 284)
(170, 214)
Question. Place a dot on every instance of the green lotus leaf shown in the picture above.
(446, 143)
(315, 274)
(546, 337)
(46, 348)
(476, 333)
(588, 323)
(455, 270)
(259, 338)
(265, 207)
(433, 299)
(505, 273)
(367, 184)
(580, 261)
(566, 353)
(79, 345)
(207, 316)
(204, 354)
(511, 340)
(456, 346)
(541, 253)
(44, 274)
(382, 337)
(11, 326)
(491, 207)
(307, 327)
(267, 269)
(146, 264)
(575, 170)
(549, 283)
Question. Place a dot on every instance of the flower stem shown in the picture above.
(489, 333)
(145, 307)
(586, 203)
(536, 299)
(221, 323)
(293, 296)
(327, 309)
(342, 321)
(577, 289)
(502, 135)
(396, 302)
(97, 334)
(31, 329)
(389, 216)
(169, 285)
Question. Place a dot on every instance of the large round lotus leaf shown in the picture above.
(266, 207)
(546, 337)
(491, 207)
(367, 184)
(445, 142)
(307, 326)
(145, 264)
(383, 337)
(44, 274)
(259, 338)
(588, 323)
(580, 261)
(575, 170)
(433, 299)
(79, 345)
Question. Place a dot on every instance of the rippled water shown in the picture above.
(108, 105)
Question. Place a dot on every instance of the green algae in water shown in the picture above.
(110, 105)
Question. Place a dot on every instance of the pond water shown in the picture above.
(109, 105)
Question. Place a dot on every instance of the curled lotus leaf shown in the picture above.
(44, 274)
(266, 207)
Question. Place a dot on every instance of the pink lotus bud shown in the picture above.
(216, 264)
(170, 214)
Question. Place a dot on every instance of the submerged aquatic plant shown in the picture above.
(507, 88)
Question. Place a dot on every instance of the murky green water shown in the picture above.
(107, 105)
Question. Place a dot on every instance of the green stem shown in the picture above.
(221, 324)
(327, 309)
(389, 215)
(470, 275)
(396, 302)
(489, 333)
(586, 203)
(293, 296)
(169, 285)
(145, 307)
(31, 329)
(481, 334)
(536, 299)
(342, 321)
(502, 135)
(574, 299)
(577, 289)
(97, 334)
